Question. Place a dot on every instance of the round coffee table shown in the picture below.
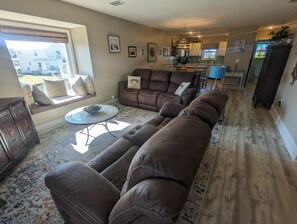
(80, 117)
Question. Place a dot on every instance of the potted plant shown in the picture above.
(281, 36)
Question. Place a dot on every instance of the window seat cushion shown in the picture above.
(59, 102)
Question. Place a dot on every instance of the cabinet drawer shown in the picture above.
(10, 134)
(24, 121)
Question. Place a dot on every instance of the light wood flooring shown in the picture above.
(253, 179)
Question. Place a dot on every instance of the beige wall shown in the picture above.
(244, 57)
(108, 68)
(288, 110)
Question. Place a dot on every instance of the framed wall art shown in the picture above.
(114, 44)
(151, 52)
(239, 46)
(132, 51)
(165, 52)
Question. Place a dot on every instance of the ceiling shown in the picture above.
(202, 17)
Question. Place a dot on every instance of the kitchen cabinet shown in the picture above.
(222, 48)
(271, 74)
(195, 49)
(17, 132)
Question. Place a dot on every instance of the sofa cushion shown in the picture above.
(159, 121)
(148, 97)
(167, 97)
(177, 78)
(140, 134)
(216, 99)
(159, 80)
(29, 99)
(145, 77)
(204, 111)
(55, 88)
(134, 82)
(130, 95)
(174, 153)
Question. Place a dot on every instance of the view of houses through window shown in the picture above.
(35, 61)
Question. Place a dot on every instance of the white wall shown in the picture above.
(286, 113)
(108, 68)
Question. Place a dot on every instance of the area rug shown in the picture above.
(26, 198)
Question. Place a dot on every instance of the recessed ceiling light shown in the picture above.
(116, 3)
(270, 27)
(191, 32)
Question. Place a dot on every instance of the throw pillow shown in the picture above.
(29, 99)
(89, 84)
(40, 97)
(134, 82)
(181, 88)
(79, 87)
(55, 88)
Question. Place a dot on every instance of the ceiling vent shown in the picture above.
(292, 1)
(116, 3)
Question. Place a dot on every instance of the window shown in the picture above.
(261, 50)
(209, 54)
(39, 54)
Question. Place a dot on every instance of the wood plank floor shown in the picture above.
(253, 179)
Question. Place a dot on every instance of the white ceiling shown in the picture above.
(203, 17)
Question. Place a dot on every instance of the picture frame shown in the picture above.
(151, 52)
(239, 46)
(173, 42)
(165, 52)
(114, 44)
(132, 51)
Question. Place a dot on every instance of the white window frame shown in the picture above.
(69, 45)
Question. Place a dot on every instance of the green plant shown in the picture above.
(283, 33)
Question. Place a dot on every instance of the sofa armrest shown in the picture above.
(188, 95)
(123, 84)
(189, 91)
(139, 135)
(171, 109)
(81, 194)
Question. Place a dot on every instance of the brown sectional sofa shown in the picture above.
(157, 88)
(146, 175)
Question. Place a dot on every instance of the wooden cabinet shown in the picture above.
(222, 48)
(271, 74)
(195, 49)
(17, 132)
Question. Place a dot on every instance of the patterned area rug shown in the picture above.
(29, 201)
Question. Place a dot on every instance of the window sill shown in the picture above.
(59, 102)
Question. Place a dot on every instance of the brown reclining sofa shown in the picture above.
(157, 88)
(145, 176)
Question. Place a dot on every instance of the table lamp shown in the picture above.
(216, 72)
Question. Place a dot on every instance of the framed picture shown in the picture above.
(173, 42)
(151, 52)
(239, 46)
(114, 44)
(165, 52)
(132, 51)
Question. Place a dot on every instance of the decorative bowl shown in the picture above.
(92, 109)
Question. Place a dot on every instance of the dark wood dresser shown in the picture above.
(271, 74)
(17, 132)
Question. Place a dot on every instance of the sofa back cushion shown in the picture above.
(177, 78)
(216, 99)
(145, 77)
(173, 153)
(159, 80)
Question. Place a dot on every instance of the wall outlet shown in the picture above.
(113, 97)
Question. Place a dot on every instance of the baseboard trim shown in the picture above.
(50, 126)
(289, 141)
